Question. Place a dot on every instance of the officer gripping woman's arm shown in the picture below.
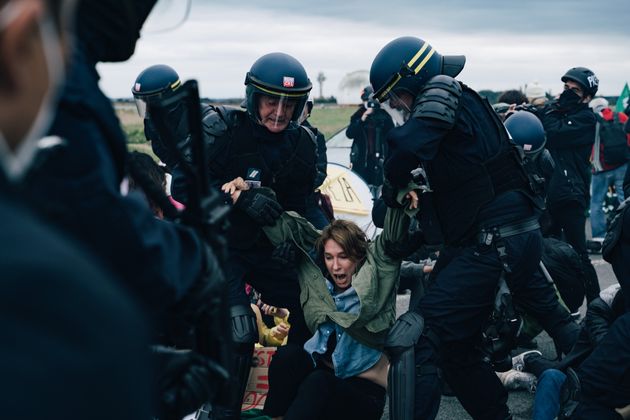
(482, 201)
(349, 306)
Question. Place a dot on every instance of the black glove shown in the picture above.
(398, 167)
(388, 194)
(285, 254)
(399, 250)
(258, 205)
(187, 380)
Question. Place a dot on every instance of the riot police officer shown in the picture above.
(527, 132)
(265, 145)
(481, 198)
(158, 82)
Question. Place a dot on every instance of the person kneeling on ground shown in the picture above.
(350, 304)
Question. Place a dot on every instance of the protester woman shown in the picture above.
(348, 293)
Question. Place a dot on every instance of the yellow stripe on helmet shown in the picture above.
(418, 54)
(416, 70)
(424, 61)
(176, 84)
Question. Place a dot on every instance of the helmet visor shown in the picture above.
(167, 15)
(141, 106)
(277, 112)
(399, 104)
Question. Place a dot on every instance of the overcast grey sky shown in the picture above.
(507, 43)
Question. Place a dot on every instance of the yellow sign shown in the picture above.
(343, 187)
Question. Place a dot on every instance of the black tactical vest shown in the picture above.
(238, 152)
(462, 188)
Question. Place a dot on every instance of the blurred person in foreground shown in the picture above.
(166, 267)
(64, 319)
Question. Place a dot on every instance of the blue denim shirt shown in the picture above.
(350, 357)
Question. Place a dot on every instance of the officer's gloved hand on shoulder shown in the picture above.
(260, 204)
(186, 381)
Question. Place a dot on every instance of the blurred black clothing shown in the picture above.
(75, 345)
(369, 148)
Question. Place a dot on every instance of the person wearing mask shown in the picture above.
(570, 128)
(483, 202)
(62, 314)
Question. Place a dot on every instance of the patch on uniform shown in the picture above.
(288, 82)
(253, 178)
(527, 147)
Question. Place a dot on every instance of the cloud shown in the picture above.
(506, 46)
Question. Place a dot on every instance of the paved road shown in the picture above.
(520, 402)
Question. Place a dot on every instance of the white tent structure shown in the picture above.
(351, 85)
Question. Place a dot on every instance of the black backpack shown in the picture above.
(613, 136)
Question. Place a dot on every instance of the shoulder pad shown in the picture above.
(216, 120)
(439, 100)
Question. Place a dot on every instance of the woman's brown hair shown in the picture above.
(348, 235)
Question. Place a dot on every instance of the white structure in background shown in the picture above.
(351, 85)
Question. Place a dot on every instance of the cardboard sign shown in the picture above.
(258, 383)
(350, 197)
(347, 191)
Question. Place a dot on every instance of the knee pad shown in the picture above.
(402, 371)
(401, 385)
(404, 334)
(244, 329)
(244, 336)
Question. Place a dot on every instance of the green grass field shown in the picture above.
(328, 119)
(331, 119)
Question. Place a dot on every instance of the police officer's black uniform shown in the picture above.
(281, 169)
(481, 199)
(76, 187)
(154, 83)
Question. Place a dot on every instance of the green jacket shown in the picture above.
(375, 282)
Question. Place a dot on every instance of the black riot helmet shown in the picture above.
(407, 63)
(278, 75)
(526, 131)
(154, 83)
(584, 77)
